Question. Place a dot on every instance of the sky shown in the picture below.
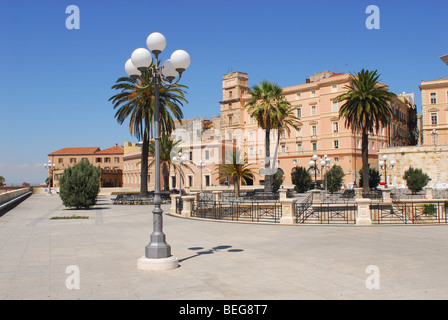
(55, 82)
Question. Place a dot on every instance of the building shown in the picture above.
(321, 131)
(434, 111)
(110, 161)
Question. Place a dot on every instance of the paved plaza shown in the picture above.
(217, 260)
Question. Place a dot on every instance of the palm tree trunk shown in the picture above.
(144, 166)
(267, 165)
(166, 176)
(365, 161)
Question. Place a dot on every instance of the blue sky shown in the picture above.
(55, 83)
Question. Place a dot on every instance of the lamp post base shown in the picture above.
(157, 264)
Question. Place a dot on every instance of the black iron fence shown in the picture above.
(410, 212)
(326, 213)
(237, 210)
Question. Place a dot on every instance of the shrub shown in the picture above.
(429, 209)
(374, 178)
(301, 178)
(278, 180)
(80, 185)
(334, 178)
(415, 179)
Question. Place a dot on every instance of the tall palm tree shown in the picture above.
(168, 149)
(136, 102)
(267, 105)
(366, 107)
(237, 169)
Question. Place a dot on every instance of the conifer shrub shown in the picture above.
(415, 179)
(80, 185)
(301, 179)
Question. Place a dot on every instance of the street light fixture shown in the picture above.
(313, 164)
(383, 165)
(48, 166)
(201, 165)
(435, 136)
(180, 159)
(325, 163)
(157, 252)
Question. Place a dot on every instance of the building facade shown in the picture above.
(109, 160)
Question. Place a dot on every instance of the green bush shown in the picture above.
(415, 179)
(301, 178)
(80, 185)
(374, 178)
(278, 180)
(429, 209)
(334, 178)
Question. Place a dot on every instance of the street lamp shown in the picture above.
(383, 164)
(180, 159)
(48, 166)
(157, 252)
(325, 163)
(201, 165)
(313, 164)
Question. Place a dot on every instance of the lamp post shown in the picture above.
(48, 166)
(157, 252)
(383, 165)
(313, 164)
(201, 165)
(325, 163)
(180, 159)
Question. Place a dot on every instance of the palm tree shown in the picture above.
(267, 105)
(366, 107)
(2, 180)
(136, 102)
(237, 169)
(168, 149)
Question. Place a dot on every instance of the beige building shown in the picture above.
(110, 161)
(435, 111)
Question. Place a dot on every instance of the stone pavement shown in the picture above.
(218, 260)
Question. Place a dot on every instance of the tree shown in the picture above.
(415, 179)
(80, 185)
(2, 181)
(301, 179)
(366, 107)
(168, 150)
(278, 180)
(136, 102)
(237, 169)
(374, 178)
(334, 178)
(267, 105)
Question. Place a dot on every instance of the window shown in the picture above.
(433, 97)
(251, 119)
(335, 127)
(84, 159)
(294, 162)
(313, 110)
(251, 151)
(98, 160)
(230, 120)
(335, 106)
(230, 94)
(299, 147)
(434, 118)
(60, 160)
(299, 112)
(190, 178)
(106, 159)
(314, 146)
(336, 144)
(230, 105)
(283, 148)
(251, 136)
(190, 155)
(207, 180)
(282, 134)
(116, 159)
(334, 88)
(314, 128)
(336, 159)
(72, 160)
(299, 132)
(299, 95)
(313, 93)
(207, 155)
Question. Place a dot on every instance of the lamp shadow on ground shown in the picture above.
(201, 251)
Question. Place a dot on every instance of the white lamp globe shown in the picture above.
(311, 163)
(168, 70)
(141, 58)
(392, 163)
(180, 60)
(130, 69)
(156, 42)
(381, 163)
(385, 158)
(314, 157)
(323, 163)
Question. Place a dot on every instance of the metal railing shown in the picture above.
(326, 213)
(410, 212)
(237, 211)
